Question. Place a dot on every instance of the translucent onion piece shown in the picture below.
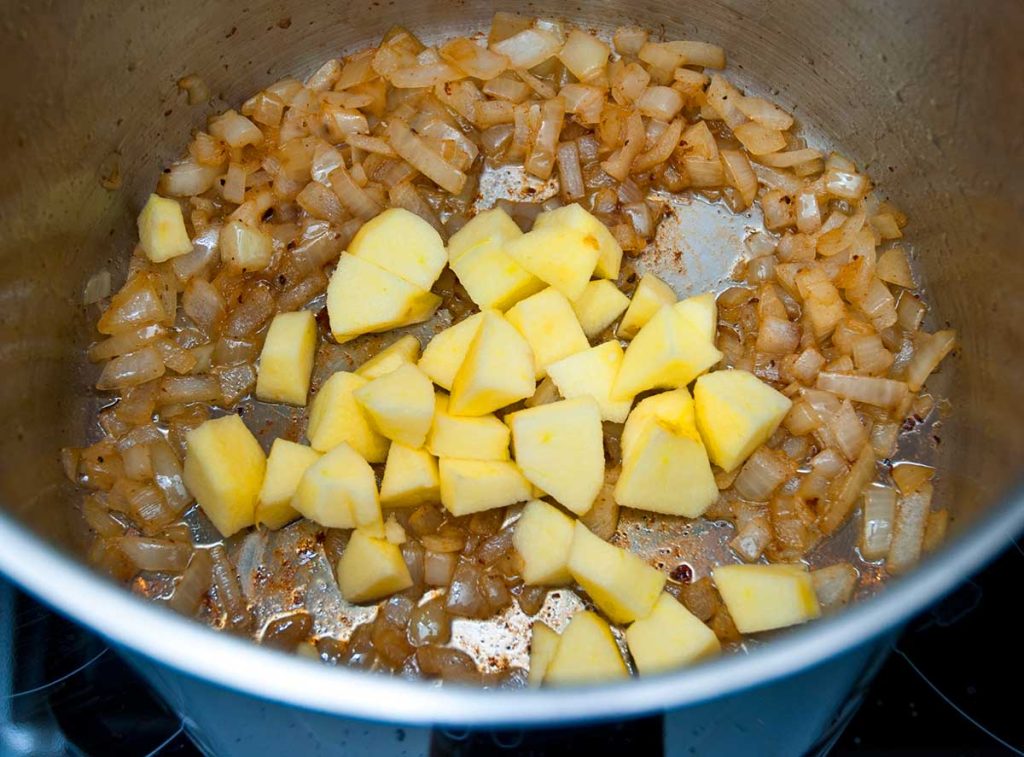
(187, 178)
(472, 59)
(438, 568)
(844, 491)
(629, 39)
(235, 129)
(834, 585)
(876, 528)
(355, 198)
(929, 350)
(412, 149)
(155, 554)
(908, 530)
(570, 172)
(528, 48)
(540, 160)
(229, 593)
(131, 370)
(762, 474)
(662, 103)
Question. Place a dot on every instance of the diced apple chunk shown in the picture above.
(670, 637)
(543, 645)
(763, 597)
(489, 229)
(669, 352)
(336, 417)
(622, 585)
(286, 465)
(674, 410)
(402, 351)
(586, 653)
(402, 243)
(445, 353)
(547, 322)
(561, 257)
(667, 473)
(224, 466)
(286, 361)
(560, 448)
(162, 232)
(244, 248)
(599, 305)
(482, 437)
(471, 486)
(410, 478)
(651, 295)
(363, 298)
(736, 413)
(498, 369)
(399, 405)
(339, 491)
(592, 373)
(543, 538)
(702, 312)
(575, 217)
(371, 568)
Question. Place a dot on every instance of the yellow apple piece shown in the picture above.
(404, 350)
(736, 413)
(586, 653)
(650, 296)
(363, 298)
(670, 637)
(622, 585)
(673, 409)
(547, 322)
(402, 243)
(599, 305)
(162, 231)
(543, 644)
(471, 486)
(576, 218)
(482, 437)
(543, 538)
(286, 464)
(410, 478)
(561, 257)
(668, 353)
(445, 352)
(498, 369)
(490, 229)
(371, 568)
(560, 448)
(224, 466)
(702, 312)
(335, 417)
(763, 597)
(286, 362)
(340, 491)
(666, 473)
(399, 405)
(592, 373)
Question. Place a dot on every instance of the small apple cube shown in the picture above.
(622, 585)
(736, 413)
(224, 466)
(471, 486)
(363, 298)
(592, 373)
(543, 644)
(561, 257)
(543, 538)
(402, 243)
(490, 229)
(702, 312)
(398, 353)
(547, 322)
(335, 417)
(763, 597)
(399, 405)
(670, 637)
(162, 231)
(286, 362)
(371, 568)
(340, 491)
(410, 478)
(651, 295)
(674, 410)
(482, 437)
(667, 473)
(599, 305)
(286, 465)
(669, 352)
(446, 351)
(574, 217)
(498, 369)
(586, 653)
(560, 448)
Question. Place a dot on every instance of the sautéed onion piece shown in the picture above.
(823, 308)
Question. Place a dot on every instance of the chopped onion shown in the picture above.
(621, 161)
(405, 195)
(929, 350)
(229, 593)
(629, 82)
(131, 370)
(908, 530)
(235, 129)
(155, 554)
(584, 55)
(355, 199)
(822, 303)
(740, 174)
(771, 116)
(846, 185)
(825, 467)
(540, 159)
(835, 584)
(662, 149)
(584, 101)
(870, 355)
(879, 513)
(412, 149)
(187, 178)
(762, 474)
(910, 477)
(235, 382)
(465, 595)
(255, 309)
(629, 39)
(894, 268)
(570, 173)
(661, 103)
(528, 48)
(847, 431)
(881, 392)
(438, 568)
(758, 139)
(505, 87)
(844, 491)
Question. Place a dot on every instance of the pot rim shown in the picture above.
(197, 650)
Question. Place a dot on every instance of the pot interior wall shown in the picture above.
(921, 93)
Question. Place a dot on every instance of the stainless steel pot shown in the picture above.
(925, 93)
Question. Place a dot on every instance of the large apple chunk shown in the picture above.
(592, 373)
(335, 417)
(340, 491)
(670, 637)
(371, 568)
(402, 243)
(547, 322)
(286, 361)
(586, 653)
(498, 369)
(400, 405)
(543, 538)
(286, 465)
(763, 597)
